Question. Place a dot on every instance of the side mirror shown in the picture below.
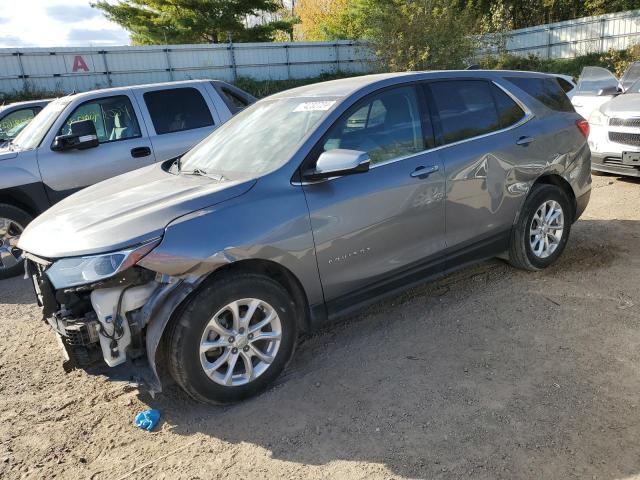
(338, 162)
(606, 91)
(83, 135)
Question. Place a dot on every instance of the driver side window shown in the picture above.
(386, 126)
(113, 118)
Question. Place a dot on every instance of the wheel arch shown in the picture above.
(560, 182)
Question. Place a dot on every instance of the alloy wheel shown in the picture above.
(240, 342)
(10, 256)
(547, 227)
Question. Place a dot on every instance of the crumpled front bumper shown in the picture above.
(98, 333)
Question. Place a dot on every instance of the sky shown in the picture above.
(56, 23)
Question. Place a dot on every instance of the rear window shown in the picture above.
(177, 110)
(546, 90)
(566, 86)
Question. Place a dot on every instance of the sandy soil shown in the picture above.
(489, 373)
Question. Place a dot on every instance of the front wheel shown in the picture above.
(13, 220)
(540, 235)
(233, 338)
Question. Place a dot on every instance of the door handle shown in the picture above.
(524, 141)
(424, 172)
(140, 152)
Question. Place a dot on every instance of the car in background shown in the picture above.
(15, 116)
(82, 139)
(615, 134)
(303, 208)
(597, 85)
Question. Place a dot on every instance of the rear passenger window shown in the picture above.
(233, 101)
(545, 90)
(509, 111)
(177, 110)
(386, 126)
(466, 108)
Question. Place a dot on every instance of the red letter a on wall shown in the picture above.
(79, 64)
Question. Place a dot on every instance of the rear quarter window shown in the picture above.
(546, 90)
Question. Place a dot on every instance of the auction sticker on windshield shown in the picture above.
(315, 106)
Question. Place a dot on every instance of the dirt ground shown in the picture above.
(489, 373)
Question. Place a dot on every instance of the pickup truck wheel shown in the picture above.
(13, 220)
(233, 338)
(542, 230)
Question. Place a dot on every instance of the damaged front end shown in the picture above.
(117, 316)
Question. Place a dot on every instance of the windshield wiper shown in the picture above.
(201, 173)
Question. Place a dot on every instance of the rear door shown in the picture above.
(124, 146)
(177, 117)
(373, 227)
(485, 138)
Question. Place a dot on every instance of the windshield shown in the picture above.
(594, 79)
(258, 139)
(35, 131)
(635, 88)
(630, 76)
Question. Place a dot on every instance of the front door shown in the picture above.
(373, 227)
(124, 146)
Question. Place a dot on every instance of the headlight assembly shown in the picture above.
(70, 272)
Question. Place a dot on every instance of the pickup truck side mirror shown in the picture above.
(83, 135)
(606, 91)
(338, 162)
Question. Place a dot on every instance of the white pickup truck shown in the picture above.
(82, 139)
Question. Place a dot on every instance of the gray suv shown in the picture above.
(301, 209)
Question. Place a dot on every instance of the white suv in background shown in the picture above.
(615, 134)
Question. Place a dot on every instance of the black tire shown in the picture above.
(185, 336)
(22, 218)
(521, 254)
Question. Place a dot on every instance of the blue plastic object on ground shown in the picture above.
(147, 419)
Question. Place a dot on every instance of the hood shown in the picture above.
(123, 211)
(627, 104)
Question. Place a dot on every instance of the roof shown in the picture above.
(346, 86)
(147, 85)
(26, 103)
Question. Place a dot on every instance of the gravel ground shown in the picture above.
(489, 373)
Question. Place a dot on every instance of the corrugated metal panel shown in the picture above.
(68, 69)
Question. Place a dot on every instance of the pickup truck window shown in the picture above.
(177, 109)
(11, 124)
(31, 136)
(233, 101)
(113, 117)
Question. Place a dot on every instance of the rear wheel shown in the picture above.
(233, 338)
(541, 233)
(13, 220)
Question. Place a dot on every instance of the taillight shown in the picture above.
(583, 126)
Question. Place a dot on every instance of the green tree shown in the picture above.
(194, 21)
(418, 34)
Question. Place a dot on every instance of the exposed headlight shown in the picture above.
(598, 118)
(70, 272)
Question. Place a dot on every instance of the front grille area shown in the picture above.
(625, 138)
(624, 122)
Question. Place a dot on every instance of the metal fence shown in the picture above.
(575, 37)
(68, 69)
(79, 69)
